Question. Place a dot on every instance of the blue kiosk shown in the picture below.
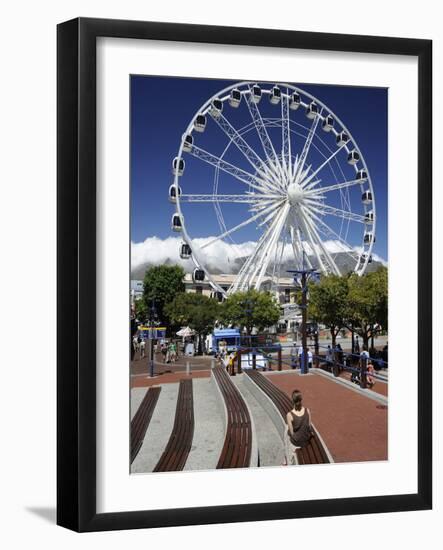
(230, 335)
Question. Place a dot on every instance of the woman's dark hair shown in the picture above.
(297, 399)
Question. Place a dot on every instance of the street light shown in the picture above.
(152, 321)
(247, 304)
(301, 280)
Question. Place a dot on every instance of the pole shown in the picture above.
(151, 353)
(352, 340)
(152, 317)
(363, 383)
(317, 351)
(279, 357)
(335, 367)
(304, 313)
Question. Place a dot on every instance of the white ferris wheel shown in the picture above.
(274, 159)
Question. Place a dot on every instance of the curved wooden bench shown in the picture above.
(236, 451)
(141, 420)
(179, 445)
(314, 452)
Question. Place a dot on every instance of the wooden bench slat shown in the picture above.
(180, 441)
(142, 418)
(172, 461)
(236, 451)
(181, 449)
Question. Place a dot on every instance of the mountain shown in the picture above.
(342, 259)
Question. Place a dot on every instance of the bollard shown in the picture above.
(254, 359)
(212, 362)
(317, 351)
(334, 365)
(279, 358)
(188, 368)
(363, 383)
(304, 362)
(238, 364)
(151, 358)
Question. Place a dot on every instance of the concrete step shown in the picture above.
(270, 446)
(159, 429)
(209, 431)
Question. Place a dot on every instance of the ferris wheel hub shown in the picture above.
(295, 193)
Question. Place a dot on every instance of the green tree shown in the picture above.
(328, 303)
(250, 309)
(141, 310)
(368, 303)
(197, 311)
(160, 284)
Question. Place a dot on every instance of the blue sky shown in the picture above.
(161, 108)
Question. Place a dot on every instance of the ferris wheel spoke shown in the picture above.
(269, 217)
(300, 163)
(268, 147)
(243, 278)
(305, 184)
(258, 206)
(251, 156)
(297, 247)
(278, 259)
(238, 173)
(343, 214)
(328, 231)
(269, 249)
(321, 244)
(294, 245)
(343, 185)
(286, 134)
(242, 224)
(214, 198)
(306, 230)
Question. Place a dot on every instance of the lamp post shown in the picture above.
(301, 280)
(152, 320)
(248, 310)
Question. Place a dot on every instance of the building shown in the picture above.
(290, 313)
(136, 290)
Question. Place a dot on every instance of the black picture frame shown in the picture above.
(76, 280)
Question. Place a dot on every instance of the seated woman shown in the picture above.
(298, 431)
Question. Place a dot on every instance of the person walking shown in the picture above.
(298, 431)
(310, 358)
(172, 352)
(142, 347)
(329, 355)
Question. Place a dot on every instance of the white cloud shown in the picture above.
(219, 256)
